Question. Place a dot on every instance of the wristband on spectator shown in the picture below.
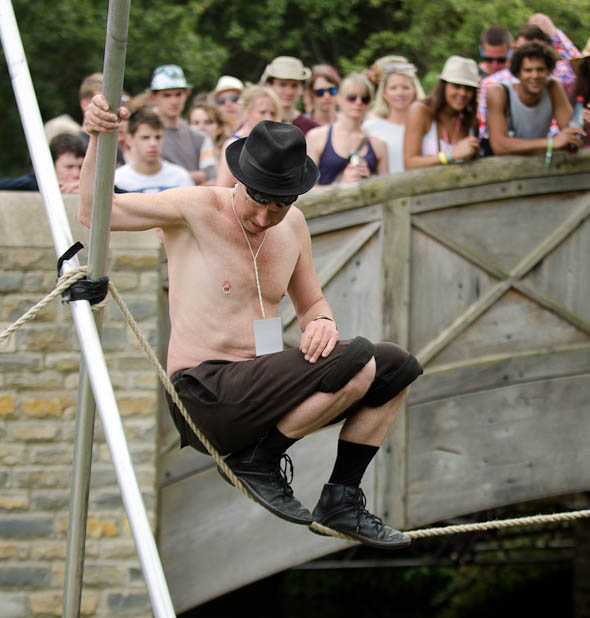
(444, 159)
(549, 151)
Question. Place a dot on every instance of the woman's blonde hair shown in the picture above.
(252, 93)
(358, 79)
(381, 107)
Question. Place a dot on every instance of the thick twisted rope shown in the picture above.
(65, 281)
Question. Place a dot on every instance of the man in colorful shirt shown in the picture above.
(539, 28)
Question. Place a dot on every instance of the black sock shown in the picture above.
(351, 462)
(275, 443)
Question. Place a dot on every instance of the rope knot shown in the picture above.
(80, 287)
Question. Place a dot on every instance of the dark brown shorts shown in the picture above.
(235, 404)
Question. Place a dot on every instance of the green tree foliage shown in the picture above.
(64, 41)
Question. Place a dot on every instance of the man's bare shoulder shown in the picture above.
(199, 202)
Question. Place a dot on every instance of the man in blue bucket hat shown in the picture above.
(183, 145)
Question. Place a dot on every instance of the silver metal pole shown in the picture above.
(82, 314)
(114, 63)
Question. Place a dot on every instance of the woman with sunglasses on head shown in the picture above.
(342, 150)
(443, 127)
(226, 98)
(320, 97)
(398, 89)
(258, 103)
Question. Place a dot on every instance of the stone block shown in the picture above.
(24, 361)
(14, 576)
(33, 432)
(104, 575)
(45, 407)
(11, 281)
(51, 454)
(7, 405)
(15, 306)
(48, 550)
(128, 603)
(56, 477)
(14, 500)
(41, 338)
(13, 551)
(125, 281)
(26, 526)
(14, 605)
(63, 361)
(46, 380)
(50, 500)
(12, 454)
(139, 404)
(134, 261)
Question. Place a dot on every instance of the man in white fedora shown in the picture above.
(286, 76)
(232, 255)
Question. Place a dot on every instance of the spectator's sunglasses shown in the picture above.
(265, 198)
(494, 59)
(320, 92)
(234, 98)
(365, 98)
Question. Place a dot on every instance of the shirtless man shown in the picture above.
(232, 255)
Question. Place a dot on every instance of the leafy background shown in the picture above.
(64, 41)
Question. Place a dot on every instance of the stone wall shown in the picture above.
(38, 392)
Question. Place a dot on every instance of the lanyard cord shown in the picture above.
(254, 255)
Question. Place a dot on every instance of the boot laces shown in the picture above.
(362, 513)
(283, 473)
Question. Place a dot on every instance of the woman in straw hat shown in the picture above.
(258, 103)
(443, 127)
(342, 150)
(398, 89)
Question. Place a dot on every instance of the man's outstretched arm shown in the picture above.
(131, 211)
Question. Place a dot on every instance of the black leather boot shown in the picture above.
(269, 481)
(342, 508)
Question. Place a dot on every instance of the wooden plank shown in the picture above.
(395, 248)
(472, 375)
(335, 264)
(338, 221)
(496, 191)
(514, 324)
(491, 296)
(486, 449)
(562, 274)
(348, 196)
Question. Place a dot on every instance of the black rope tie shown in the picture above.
(92, 290)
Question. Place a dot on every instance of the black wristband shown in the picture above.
(323, 317)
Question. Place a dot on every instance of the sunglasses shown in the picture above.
(234, 98)
(265, 198)
(490, 59)
(365, 98)
(320, 92)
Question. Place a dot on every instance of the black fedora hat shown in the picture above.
(273, 159)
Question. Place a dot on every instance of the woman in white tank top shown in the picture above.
(443, 127)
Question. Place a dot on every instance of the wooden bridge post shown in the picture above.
(395, 263)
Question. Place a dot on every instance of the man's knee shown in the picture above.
(359, 384)
(352, 364)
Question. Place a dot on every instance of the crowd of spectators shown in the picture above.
(517, 98)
